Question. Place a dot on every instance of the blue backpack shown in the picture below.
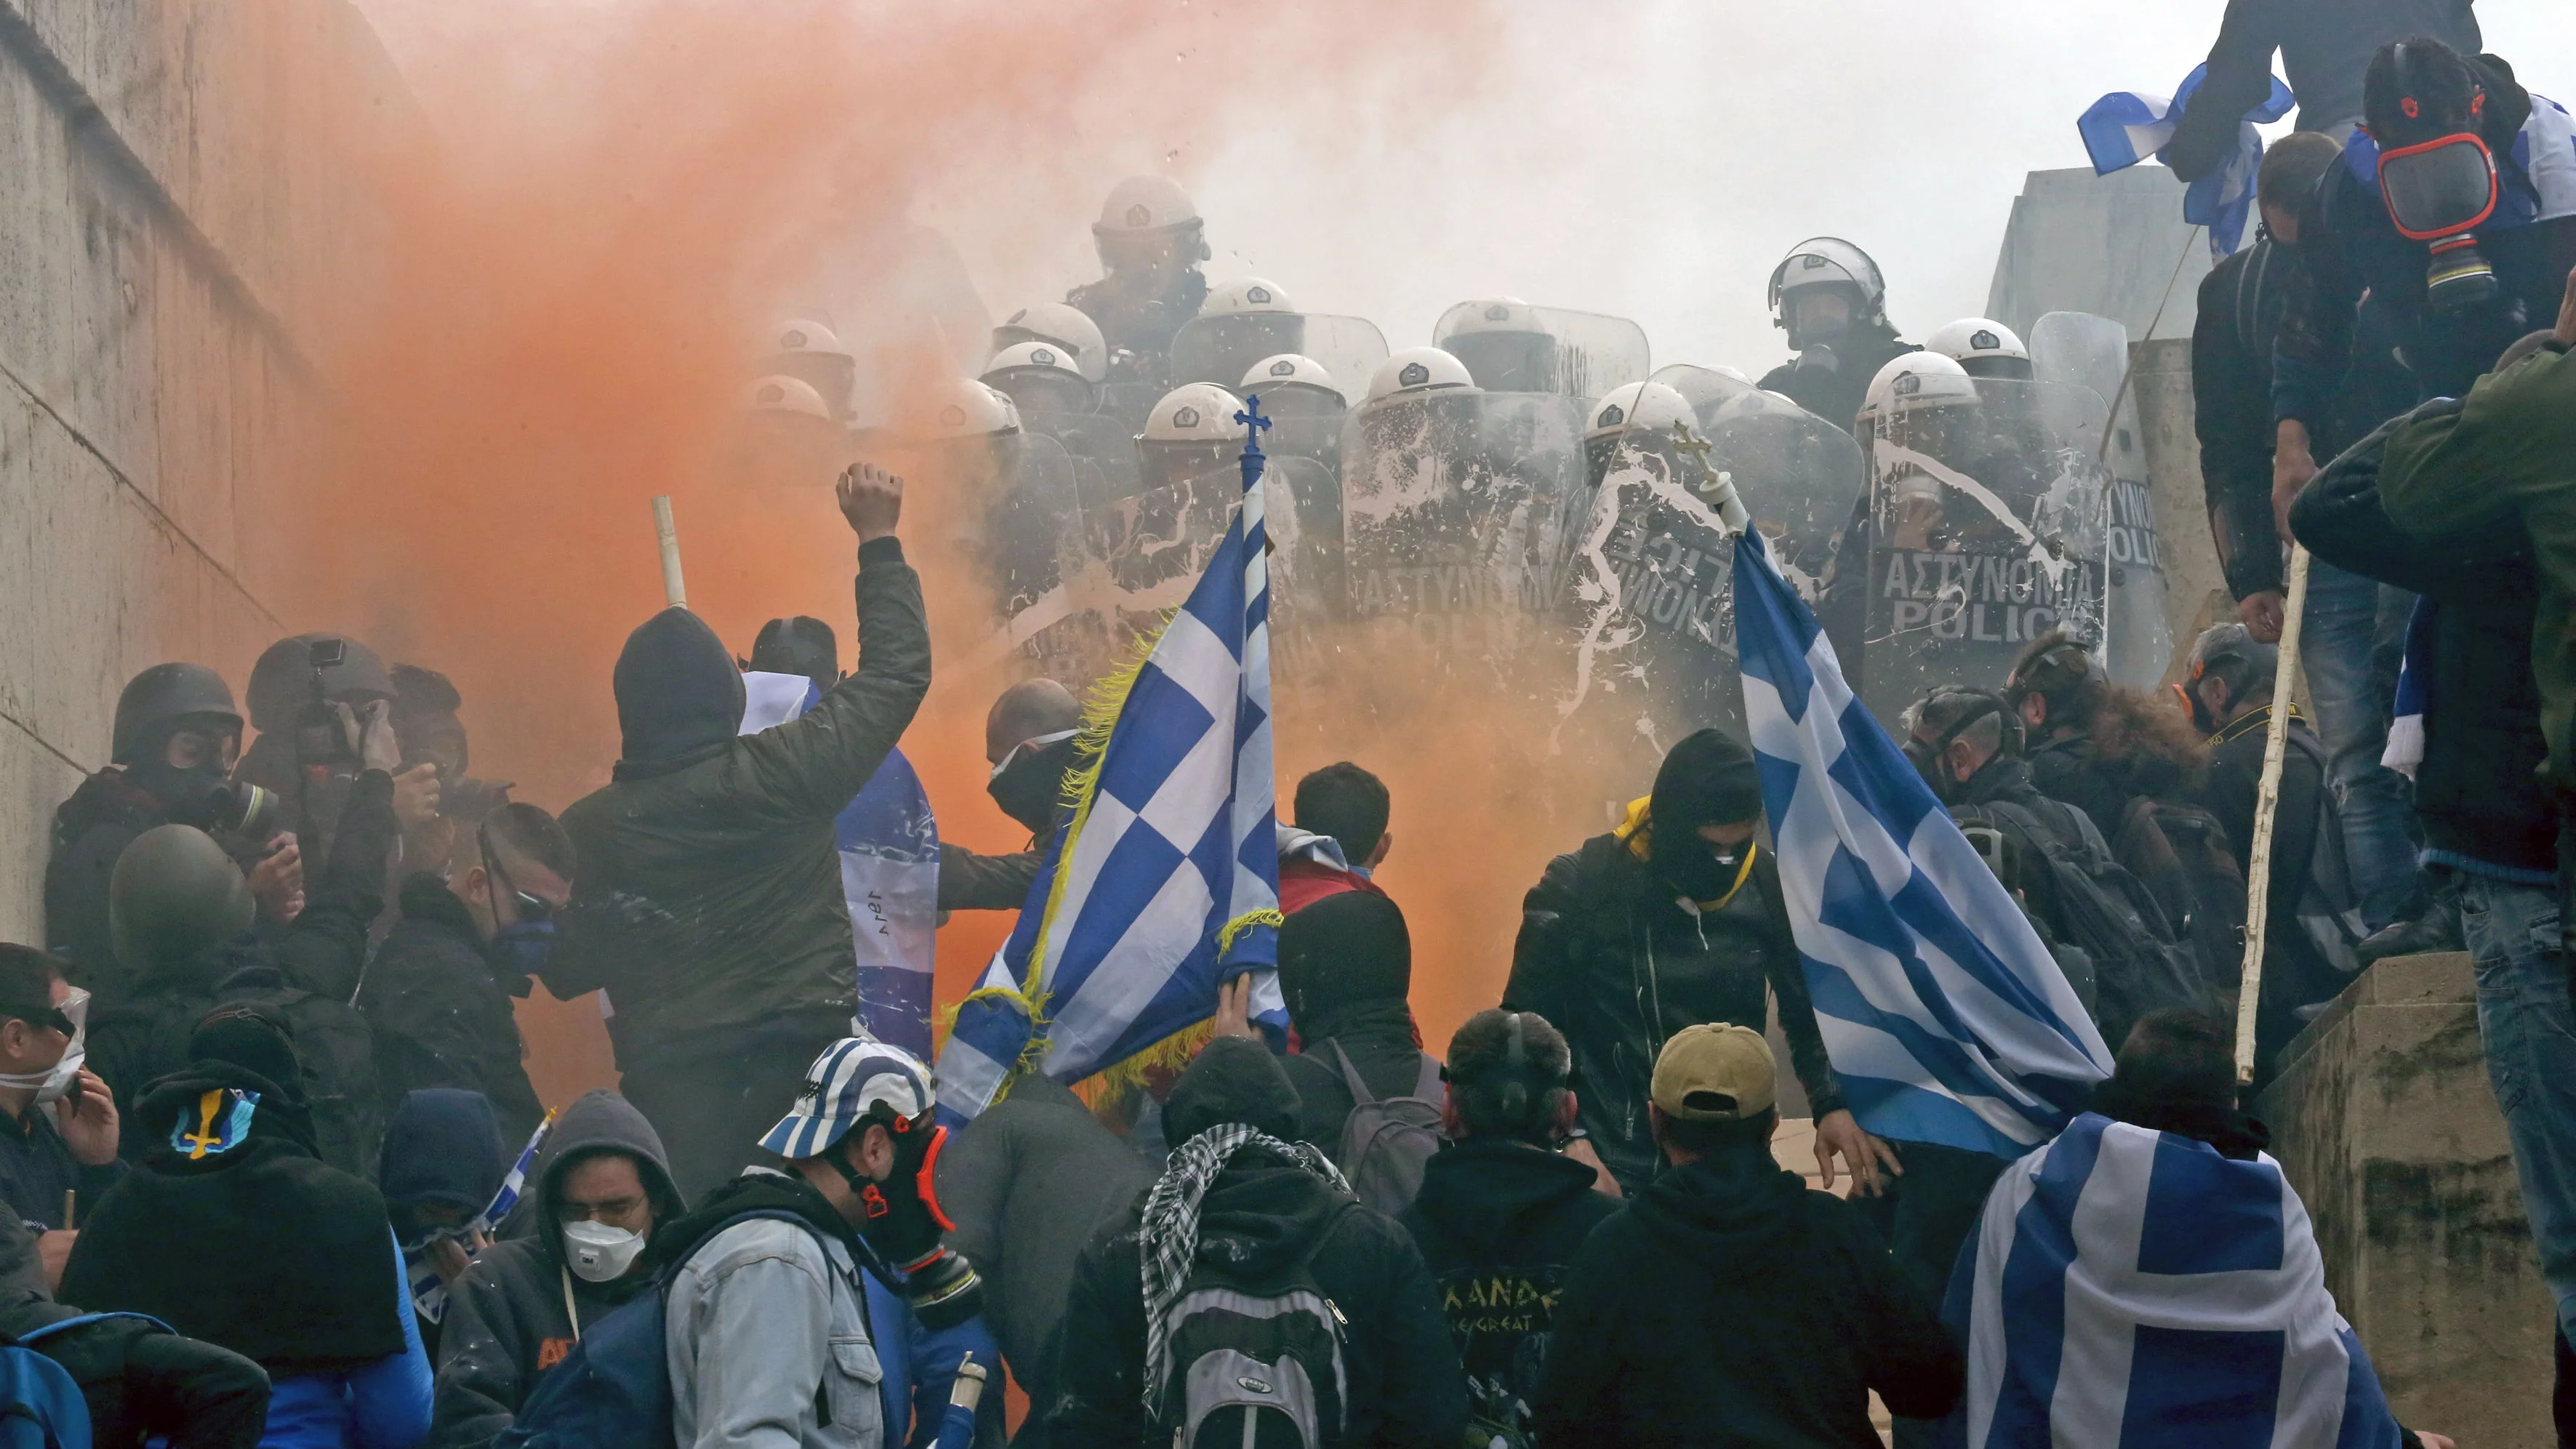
(613, 1391)
(40, 1406)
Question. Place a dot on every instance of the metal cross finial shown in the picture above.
(1253, 422)
(1686, 441)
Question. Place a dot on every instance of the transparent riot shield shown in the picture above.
(2081, 350)
(1983, 530)
(1222, 349)
(1705, 388)
(1453, 509)
(1021, 538)
(1798, 475)
(1103, 451)
(1649, 593)
(1514, 347)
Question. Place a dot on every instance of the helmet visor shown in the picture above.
(2439, 188)
(1507, 361)
(1045, 390)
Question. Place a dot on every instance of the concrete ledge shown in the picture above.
(2383, 1120)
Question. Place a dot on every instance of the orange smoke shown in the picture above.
(574, 248)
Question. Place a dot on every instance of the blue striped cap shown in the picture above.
(852, 1076)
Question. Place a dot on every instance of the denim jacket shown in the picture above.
(769, 1346)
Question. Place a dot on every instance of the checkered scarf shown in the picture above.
(1168, 1239)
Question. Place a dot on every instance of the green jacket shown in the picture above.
(709, 890)
(2507, 459)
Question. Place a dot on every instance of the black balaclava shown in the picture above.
(1341, 955)
(1030, 784)
(678, 692)
(1708, 779)
(1234, 1079)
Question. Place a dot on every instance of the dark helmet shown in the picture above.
(173, 894)
(155, 701)
(281, 683)
(801, 645)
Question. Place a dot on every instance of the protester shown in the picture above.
(2087, 1256)
(323, 705)
(176, 739)
(2098, 746)
(598, 1190)
(709, 902)
(235, 1232)
(441, 1165)
(1245, 1209)
(766, 1318)
(1339, 838)
(1502, 1211)
(1729, 1304)
(1029, 741)
(58, 1120)
(427, 725)
(1026, 1189)
(437, 995)
(1671, 920)
(2324, 49)
(2348, 638)
(1345, 967)
(2490, 677)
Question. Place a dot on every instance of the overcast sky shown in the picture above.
(1654, 159)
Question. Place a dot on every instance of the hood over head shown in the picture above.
(678, 692)
(602, 1121)
(1340, 955)
(1707, 779)
(1233, 1080)
(173, 894)
(442, 1149)
(1487, 1190)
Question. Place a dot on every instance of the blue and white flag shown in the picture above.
(2405, 751)
(1164, 878)
(2126, 127)
(428, 1290)
(2129, 1288)
(1946, 1018)
(889, 846)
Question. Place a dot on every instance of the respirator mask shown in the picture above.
(2440, 191)
(904, 1221)
(599, 1253)
(72, 1020)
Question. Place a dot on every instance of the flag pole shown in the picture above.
(2267, 805)
(674, 593)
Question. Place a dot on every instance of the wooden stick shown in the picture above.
(2267, 804)
(71, 1204)
(674, 593)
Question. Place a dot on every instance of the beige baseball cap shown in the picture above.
(1715, 1072)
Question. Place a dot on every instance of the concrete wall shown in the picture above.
(2383, 1120)
(168, 222)
(2115, 246)
(2195, 591)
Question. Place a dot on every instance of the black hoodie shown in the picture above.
(440, 1014)
(1497, 1221)
(1730, 1305)
(506, 1320)
(679, 694)
(1404, 1382)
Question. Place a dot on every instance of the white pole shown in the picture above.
(674, 593)
(2267, 804)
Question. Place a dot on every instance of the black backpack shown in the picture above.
(2105, 911)
(1255, 1363)
(2183, 855)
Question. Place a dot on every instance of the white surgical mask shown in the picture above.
(598, 1252)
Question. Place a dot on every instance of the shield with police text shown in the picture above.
(2089, 352)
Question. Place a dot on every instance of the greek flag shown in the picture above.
(1946, 1019)
(889, 846)
(428, 1293)
(2129, 1288)
(1164, 879)
(2126, 127)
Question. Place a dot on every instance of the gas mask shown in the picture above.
(903, 1221)
(72, 1020)
(598, 1253)
(1030, 781)
(2439, 192)
(1930, 758)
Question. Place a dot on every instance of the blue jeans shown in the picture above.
(2349, 644)
(2530, 1035)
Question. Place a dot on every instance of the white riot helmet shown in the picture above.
(959, 433)
(1039, 377)
(1145, 204)
(780, 393)
(963, 408)
(1418, 369)
(1639, 407)
(1066, 326)
(1985, 347)
(788, 437)
(811, 352)
(1190, 432)
(1919, 382)
(1291, 386)
(1504, 345)
(1832, 263)
(1251, 294)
